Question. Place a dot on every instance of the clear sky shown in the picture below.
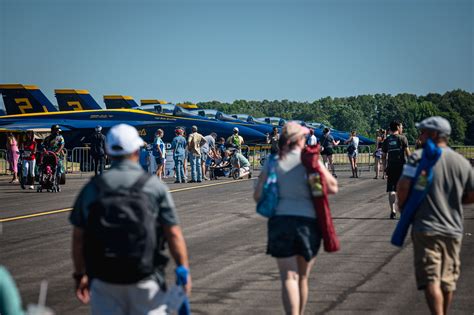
(199, 50)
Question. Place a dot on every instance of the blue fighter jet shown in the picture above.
(78, 124)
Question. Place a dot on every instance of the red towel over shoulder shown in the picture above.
(310, 160)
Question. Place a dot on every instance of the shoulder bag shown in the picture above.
(269, 198)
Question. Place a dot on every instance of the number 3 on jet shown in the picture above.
(23, 104)
(75, 105)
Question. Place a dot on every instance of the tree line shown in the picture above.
(367, 113)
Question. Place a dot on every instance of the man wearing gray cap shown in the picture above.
(121, 220)
(438, 221)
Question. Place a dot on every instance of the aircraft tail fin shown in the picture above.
(69, 99)
(188, 105)
(153, 102)
(119, 101)
(25, 99)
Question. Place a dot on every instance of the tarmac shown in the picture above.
(226, 241)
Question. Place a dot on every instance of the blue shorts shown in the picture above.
(293, 235)
(352, 155)
(159, 160)
(208, 161)
(204, 156)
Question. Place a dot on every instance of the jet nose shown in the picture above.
(251, 135)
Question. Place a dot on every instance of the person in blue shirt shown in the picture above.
(179, 147)
(144, 157)
(159, 152)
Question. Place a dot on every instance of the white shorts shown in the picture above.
(144, 297)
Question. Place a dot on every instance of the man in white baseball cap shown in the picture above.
(107, 272)
(123, 140)
(236, 141)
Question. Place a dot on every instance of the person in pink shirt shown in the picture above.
(12, 156)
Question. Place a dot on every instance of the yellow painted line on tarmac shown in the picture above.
(39, 214)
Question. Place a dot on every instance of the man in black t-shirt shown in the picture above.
(98, 150)
(395, 152)
(327, 146)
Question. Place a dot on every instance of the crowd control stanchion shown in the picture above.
(3, 162)
(81, 160)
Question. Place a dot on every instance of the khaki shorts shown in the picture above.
(437, 259)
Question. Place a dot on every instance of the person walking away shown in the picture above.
(395, 151)
(352, 151)
(311, 139)
(294, 237)
(195, 141)
(13, 155)
(179, 148)
(55, 143)
(98, 150)
(437, 229)
(208, 152)
(378, 153)
(159, 152)
(29, 160)
(273, 140)
(327, 145)
(236, 141)
(118, 270)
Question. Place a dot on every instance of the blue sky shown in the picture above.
(225, 50)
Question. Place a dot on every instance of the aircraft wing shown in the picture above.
(64, 125)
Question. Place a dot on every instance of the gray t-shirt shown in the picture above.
(125, 174)
(441, 212)
(209, 145)
(295, 197)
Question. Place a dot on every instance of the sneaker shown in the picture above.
(192, 181)
(206, 178)
(393, 215)
(31, 187)
(199, 181)
(177, 182)
(183, 181)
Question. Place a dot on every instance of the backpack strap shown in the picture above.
(103, 187)
(140, 183)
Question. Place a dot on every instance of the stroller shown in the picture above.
(48, 177)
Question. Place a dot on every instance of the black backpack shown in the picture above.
(122, 236)
(395, 150)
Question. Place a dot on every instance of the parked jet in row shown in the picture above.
(25, 100)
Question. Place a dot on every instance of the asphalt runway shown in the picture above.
(226, 241)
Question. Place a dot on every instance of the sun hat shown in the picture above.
(122, 139)
(292, 130)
